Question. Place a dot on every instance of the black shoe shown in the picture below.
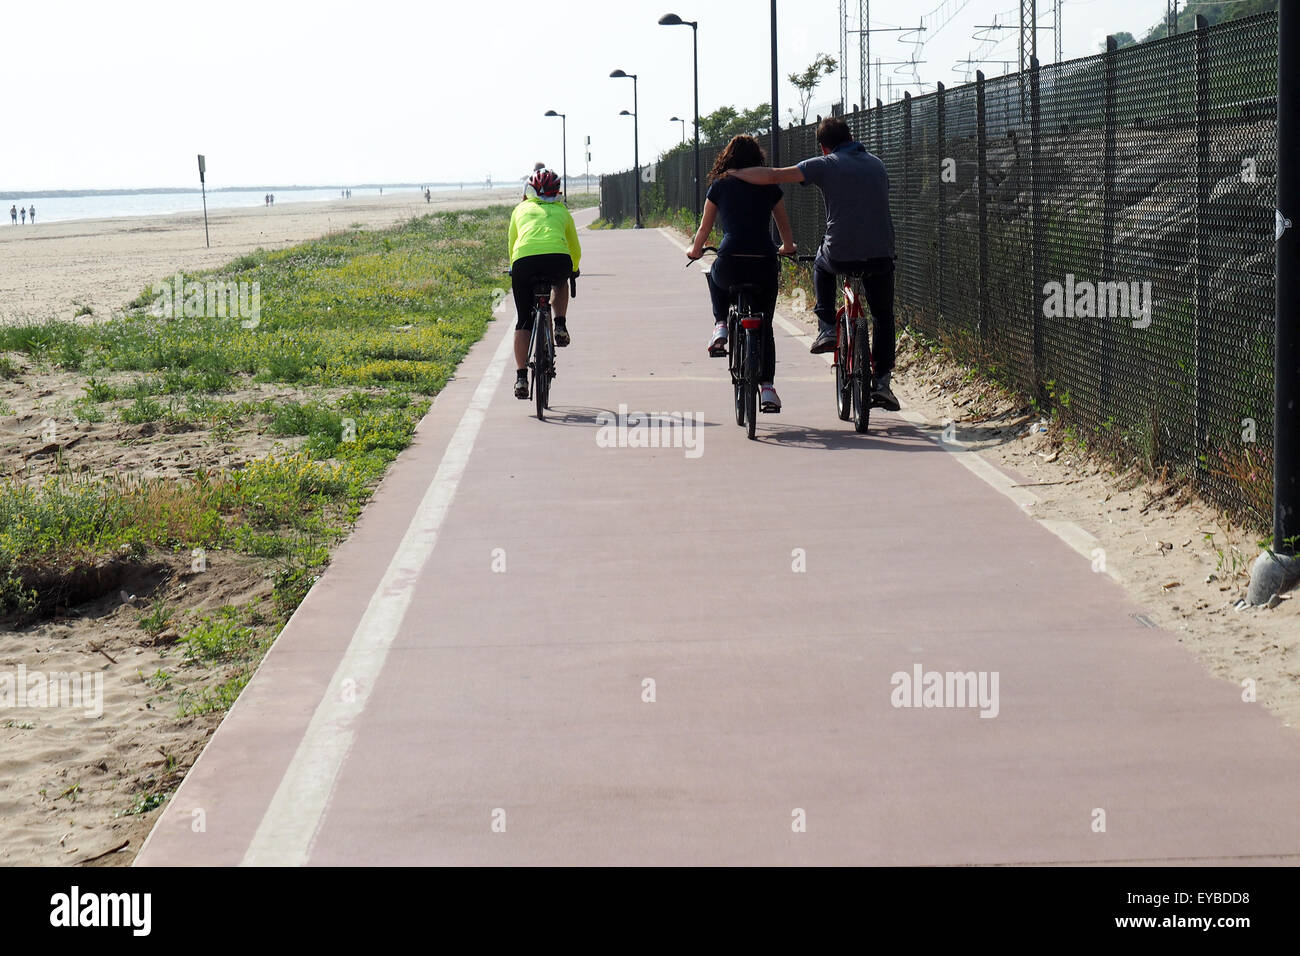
(521, 387)
(883, 397)
(561, 334)
(826, 342)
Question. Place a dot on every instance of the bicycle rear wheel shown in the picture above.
(861, 378)
(542, 362)
(843, 369)
(751, 381)
(736, 363)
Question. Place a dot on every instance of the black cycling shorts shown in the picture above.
(525, 271)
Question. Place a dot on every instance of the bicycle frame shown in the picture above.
(541, 350)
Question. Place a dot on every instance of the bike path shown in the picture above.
(467, 684)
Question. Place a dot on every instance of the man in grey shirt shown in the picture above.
(859, 238)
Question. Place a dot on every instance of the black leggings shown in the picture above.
(765, 273)
(524, 272)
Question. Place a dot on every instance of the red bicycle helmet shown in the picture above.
(545, 183)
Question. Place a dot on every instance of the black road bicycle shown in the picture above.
(541, 344)
(744, 349)
(854, 375)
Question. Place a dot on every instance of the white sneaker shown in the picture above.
(768, 400)
(718, 344)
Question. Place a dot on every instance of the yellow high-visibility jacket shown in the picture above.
(538, 228)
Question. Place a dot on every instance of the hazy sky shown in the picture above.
(125, 93)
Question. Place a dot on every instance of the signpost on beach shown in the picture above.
(203, 168)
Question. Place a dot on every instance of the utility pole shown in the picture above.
(1056, 29)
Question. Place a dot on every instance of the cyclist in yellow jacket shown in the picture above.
(543, 243)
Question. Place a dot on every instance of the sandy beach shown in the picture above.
(52, 270)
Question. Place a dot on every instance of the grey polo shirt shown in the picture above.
(856, 189)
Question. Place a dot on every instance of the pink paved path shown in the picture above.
(516, 696)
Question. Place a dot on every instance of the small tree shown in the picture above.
(714, 126)
(807, 81)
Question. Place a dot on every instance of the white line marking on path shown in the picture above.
(288, 828)
(1072, 534)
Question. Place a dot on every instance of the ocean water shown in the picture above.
(108, 205)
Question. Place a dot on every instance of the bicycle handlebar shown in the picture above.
(714, 250)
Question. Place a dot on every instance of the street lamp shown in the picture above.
(673, 20)
(677, 119)
(564, 150)
(636, 138)
(776, 113)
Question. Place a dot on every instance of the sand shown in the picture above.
(69, 783)
(51, 270)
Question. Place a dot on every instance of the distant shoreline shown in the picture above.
(14, 195)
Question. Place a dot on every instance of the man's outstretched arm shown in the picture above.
(767, 176)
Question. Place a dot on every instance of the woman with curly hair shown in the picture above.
(747, 254)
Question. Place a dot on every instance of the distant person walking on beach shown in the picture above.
(24, 214)
(33, 214)
(428, 194)
(13, 214)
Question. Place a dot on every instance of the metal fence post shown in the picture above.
(1036, 199)
(940, 226)
(907, 196)
(1286, 422)
(982, 187)
(1201, 304)
(1105, 343)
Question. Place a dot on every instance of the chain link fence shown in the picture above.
(1097, 233)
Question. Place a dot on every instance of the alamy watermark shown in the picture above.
(922, 688)
(23, 688)
(626, 429)
(209, 299)
(1082, 298)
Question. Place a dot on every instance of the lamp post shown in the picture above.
(636, 138)
(677, 119)
(673, 20)
(564, 151)
(776, 113)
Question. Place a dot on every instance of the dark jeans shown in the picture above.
(877, 285)
(730, 271)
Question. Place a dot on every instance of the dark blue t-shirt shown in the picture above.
(856, 189)
(744, 212)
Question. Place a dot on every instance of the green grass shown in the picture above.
(213, 700)
(384, 315)
(220, 637)
(331, 311)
